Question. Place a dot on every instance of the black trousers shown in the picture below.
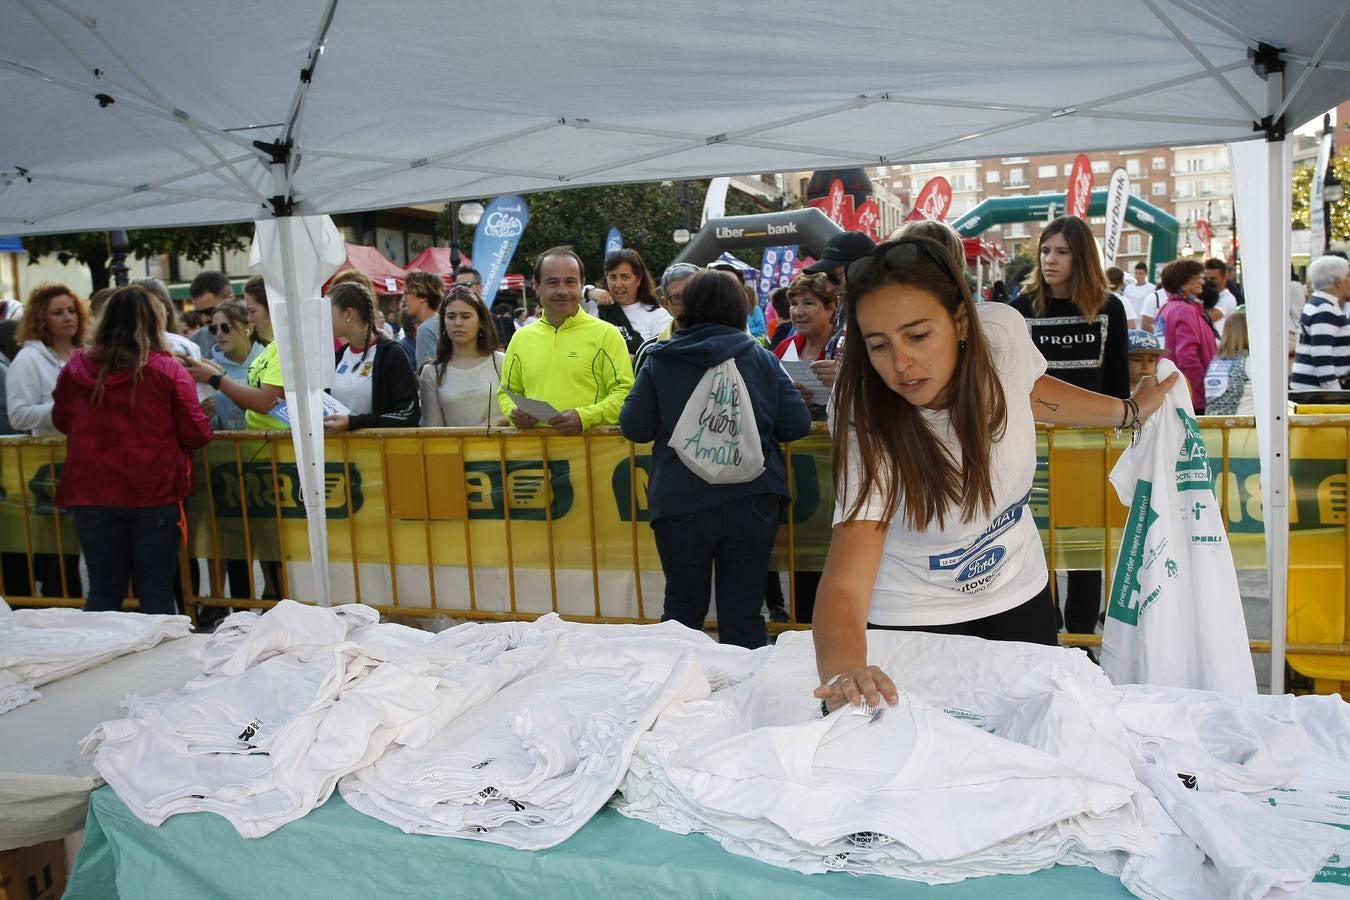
(1033, 622)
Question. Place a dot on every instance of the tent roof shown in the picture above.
(131, 113)
(437, 261)
(379, 267)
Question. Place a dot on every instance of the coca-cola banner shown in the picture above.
(1117, 200)
(495, 240)
(1204, 233)
(1079, 195)
(867, 219)
(833, 205)
(933, 201)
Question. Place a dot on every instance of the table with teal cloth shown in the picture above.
(336, 852)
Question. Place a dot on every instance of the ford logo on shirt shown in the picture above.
(983, 564)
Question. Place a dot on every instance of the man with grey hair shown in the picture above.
(1322, 357)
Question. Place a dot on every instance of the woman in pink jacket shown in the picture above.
(1190, 339)
(131, 416)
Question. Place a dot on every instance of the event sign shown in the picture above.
(934, 199)
(613, 241)
(1317, 210)
(1079, 194)
(1204, 233)
(867, 219)
(1117, 201)
(495, 240)
(780, 266)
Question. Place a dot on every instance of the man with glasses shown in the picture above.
(470, 276)
(208, 290)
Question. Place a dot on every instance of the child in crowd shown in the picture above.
(1144, 355)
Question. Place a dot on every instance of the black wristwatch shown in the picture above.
(215, 380)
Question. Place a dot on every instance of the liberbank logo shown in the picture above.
(770, 230)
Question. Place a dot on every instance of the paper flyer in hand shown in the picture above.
(538, 408)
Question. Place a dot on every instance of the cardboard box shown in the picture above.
(33, 873)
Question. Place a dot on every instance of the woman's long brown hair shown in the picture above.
(897, 450)
(1087, 283)
(128, 331)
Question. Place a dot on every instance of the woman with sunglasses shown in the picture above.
(934, 452)
(262, 389)
(237, 346)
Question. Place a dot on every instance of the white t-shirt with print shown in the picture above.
(968, 570)
(354, 381)
(647, 322)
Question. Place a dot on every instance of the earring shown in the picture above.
(963, 344)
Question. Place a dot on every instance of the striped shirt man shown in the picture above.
(1322, 357)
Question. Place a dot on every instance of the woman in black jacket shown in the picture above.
(374, 378)
(1082, 331)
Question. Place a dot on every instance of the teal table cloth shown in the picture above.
(336, 852)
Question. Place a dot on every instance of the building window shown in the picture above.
(1047, 171)
(1097, 220)
(1137, 188)
(1100, 166)
(1159, 163)
(1196, 165)
(1159, 189)
(1132, 167)
(1134, 243)
(1068, 168)
(1016, 177)
(993, 176)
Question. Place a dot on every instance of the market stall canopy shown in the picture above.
(120, 115)
(437, 261)
(384, 272)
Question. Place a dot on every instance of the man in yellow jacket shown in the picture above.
(573, 361)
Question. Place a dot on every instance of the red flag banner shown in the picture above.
(1079, 196)
(868, 219)
(933, 201)
(1204, 233)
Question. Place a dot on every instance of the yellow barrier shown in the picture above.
(507, 525)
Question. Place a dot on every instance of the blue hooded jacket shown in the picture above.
(669, 375)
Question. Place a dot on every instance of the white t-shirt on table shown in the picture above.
(968, 570)
(647, 322)
(354, 381)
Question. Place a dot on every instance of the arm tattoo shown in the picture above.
(1053, 407)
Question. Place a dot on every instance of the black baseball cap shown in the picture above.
(840, 250)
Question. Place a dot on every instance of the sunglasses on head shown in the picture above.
(617, 255)
(222, 328)
(897, 254)
(460, 290)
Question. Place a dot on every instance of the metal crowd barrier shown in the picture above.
(497, 524)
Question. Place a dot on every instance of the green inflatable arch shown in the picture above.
(1161, 226)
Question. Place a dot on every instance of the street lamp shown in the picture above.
(1186, 248)
(120, 245)
(471, 214)
(681, 236)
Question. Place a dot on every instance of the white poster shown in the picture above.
(1117, 200)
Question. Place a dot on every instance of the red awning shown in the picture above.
(437, 260)
(385, 273)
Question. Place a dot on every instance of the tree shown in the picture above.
(646, 214)
(1018, 268)
(1302, 191)
(199, 245)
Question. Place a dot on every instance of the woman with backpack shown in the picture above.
(718, 482)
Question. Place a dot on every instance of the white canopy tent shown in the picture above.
(136, 113)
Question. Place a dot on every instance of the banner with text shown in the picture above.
(495, 240)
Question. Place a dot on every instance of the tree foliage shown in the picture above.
(1017, 270)
(200, 245)
(646, 214)
(1302, 191)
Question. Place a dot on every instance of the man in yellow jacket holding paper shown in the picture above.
(569, 370)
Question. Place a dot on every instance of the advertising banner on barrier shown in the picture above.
(1117, 199)
(495, 240)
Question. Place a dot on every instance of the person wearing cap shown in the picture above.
(1144, 355)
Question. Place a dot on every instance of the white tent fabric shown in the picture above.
(295, 256)
(131, 113)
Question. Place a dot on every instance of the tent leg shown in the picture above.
(1262, 194)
